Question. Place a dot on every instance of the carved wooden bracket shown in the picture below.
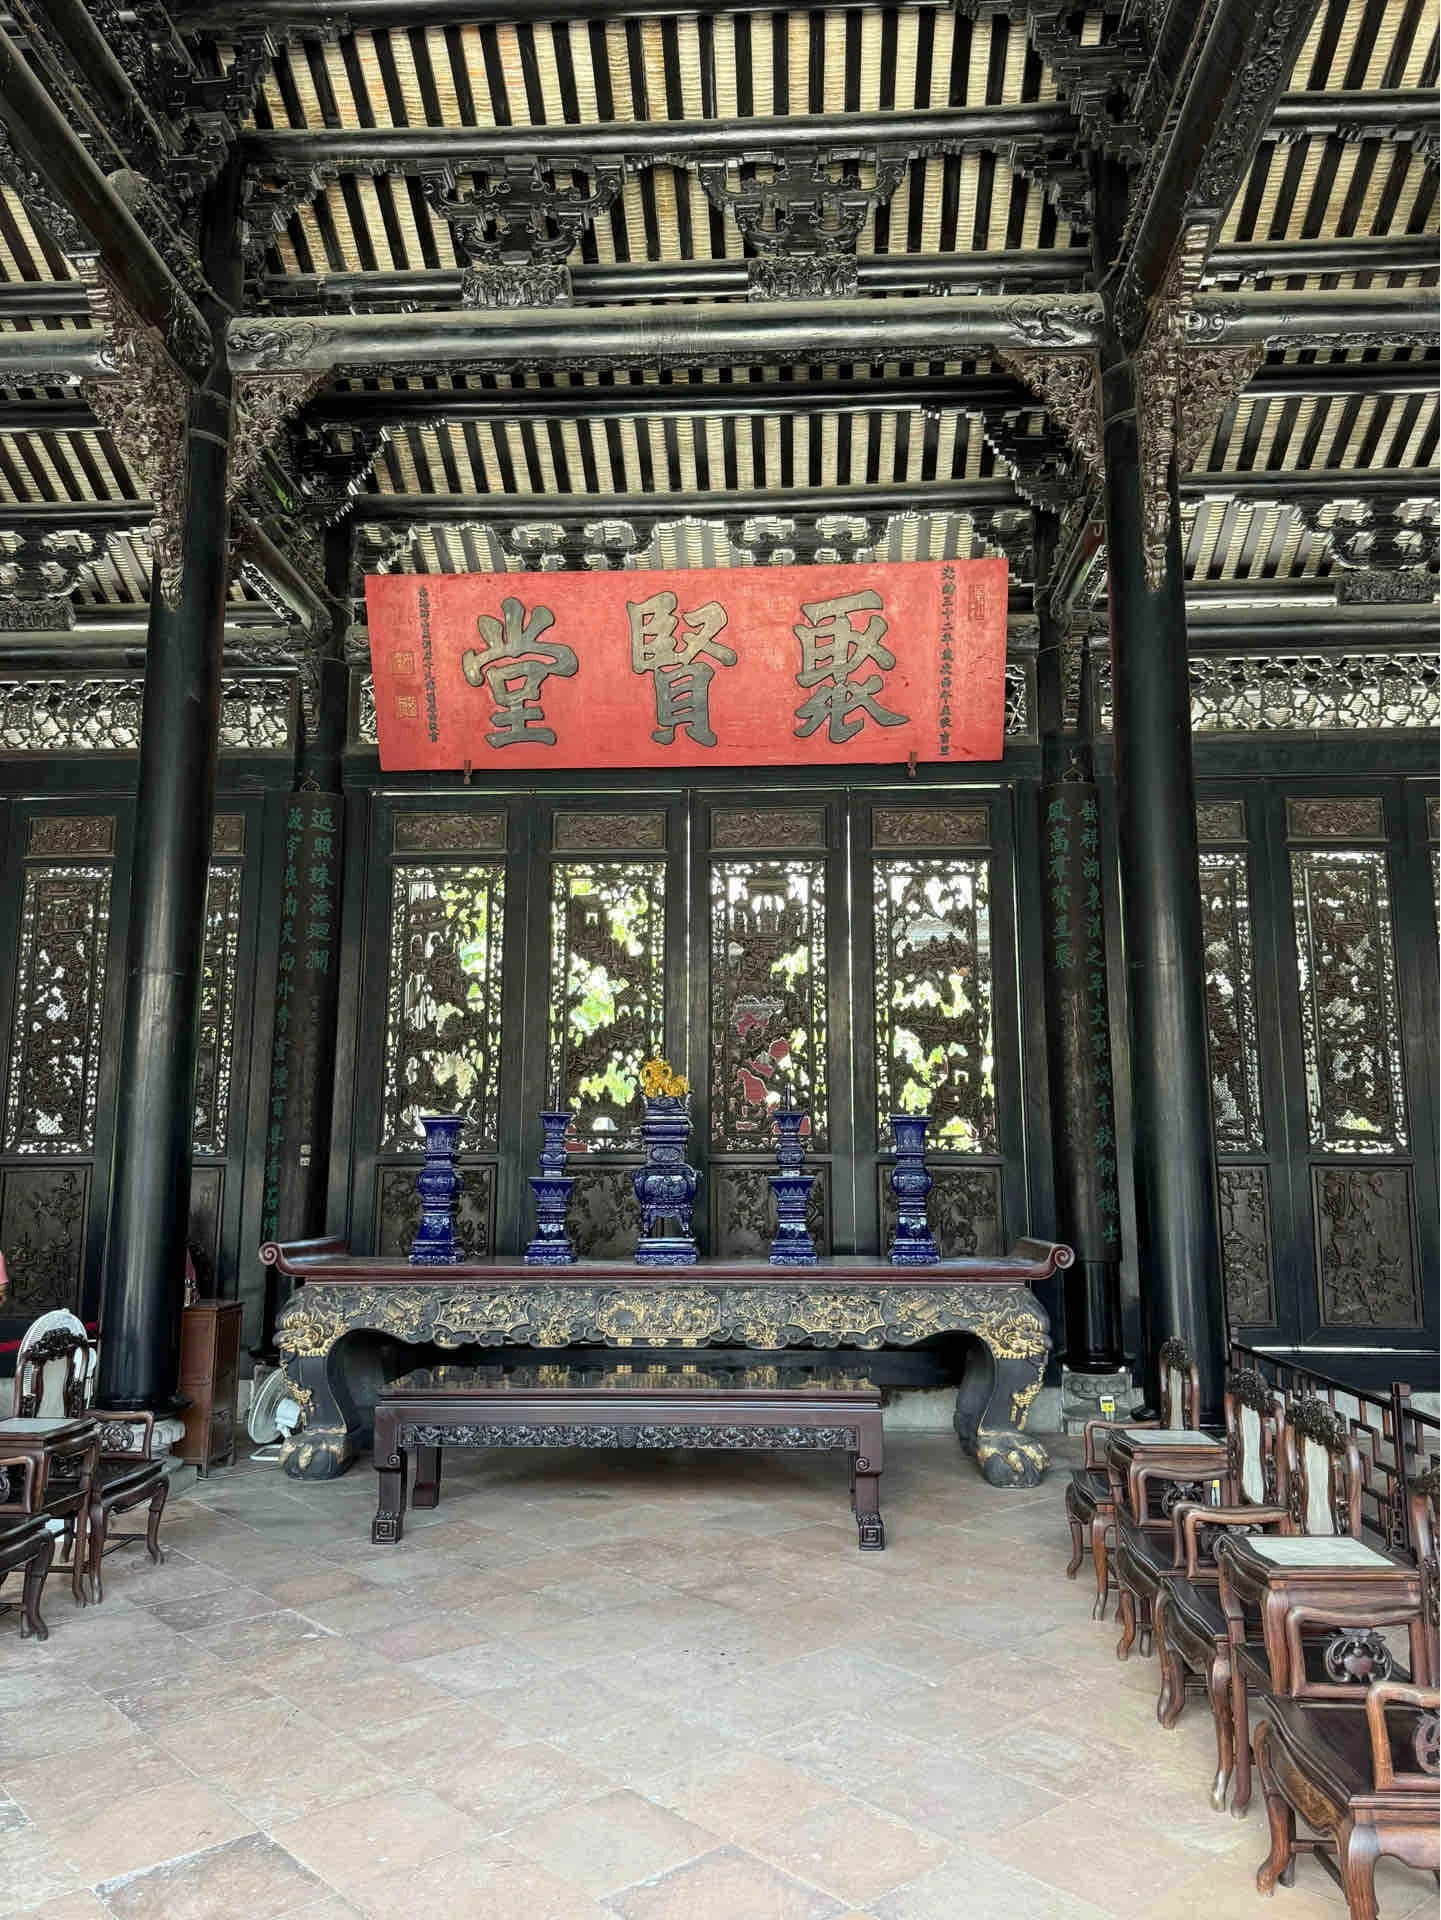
(518, 221)
(1069, 387)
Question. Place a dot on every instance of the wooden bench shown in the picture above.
(682, 1408)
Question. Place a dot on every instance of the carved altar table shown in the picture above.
(380, 1307)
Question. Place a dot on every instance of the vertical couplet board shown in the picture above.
(778, 666)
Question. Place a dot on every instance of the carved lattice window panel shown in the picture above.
(1350, 1025)
(397, 1211)
(768, 999)
(1231, 1003)
(215, 1037)
(963, 1207)
(607, 993)
(935, 1050)
(443, 1010)
(54, 1055)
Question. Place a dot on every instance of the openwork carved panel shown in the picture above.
(365, 712)
(1350, 1023)
(577, 832)
(76, 714)
(397, 1210)
(964, 1209)
(443, 1027)
(1301, 692)
(450, 832)
(781, 829)
(1350, 819)
(1231, 1003)
(42, 1229)
(745, 1212)
(603, 1218)
(607, 992)
(1366, 1246)
(256, 714)
(930, 827)
(54, 835)
(54, 1063)
(220, 955)
(934, 1044)
(1019, 723)
(1243, 1194)
(768, 998)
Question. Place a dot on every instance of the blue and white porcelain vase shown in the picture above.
(552, 1188)
(439, 1183)
(665, 1186)
(913, 1245)
(793, 1245)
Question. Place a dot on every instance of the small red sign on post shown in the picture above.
(718, 666)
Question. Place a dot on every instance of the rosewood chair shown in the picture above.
(1090, 1507)
(1304, 1610)
(55, 1374)
(1192, 1645)
(27, 1542)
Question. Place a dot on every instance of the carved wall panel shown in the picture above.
(397, 1210)
(42, 1230)
(930, 827)
(1303, 692)
(768, 998)
(202, 1236)
(227, 835)
(1231, 1003)
(55, 835)
(587, 832)
(964, 1209)
(1244, 1198)
(1350, 1022)
(607, 992)
(934, 1044)
(603, 1218)
(215, 1038)
(480, 832)
(1359, 818)
(1366, 1246)
(1220, 821)
(744, 1212)
(778, 829)
(54, 1054)
(443, 1011)
(80, 714)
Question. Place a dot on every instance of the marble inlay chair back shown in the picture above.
(1180, 1387)
(1323, 1470)
(1255, 1420)
(55, 1369)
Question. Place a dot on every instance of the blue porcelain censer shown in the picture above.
(913, 1245)
(793, 1245)
(552, 1188)
(439, 1183)
(665, 1186)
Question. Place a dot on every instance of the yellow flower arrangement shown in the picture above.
(658, 1082)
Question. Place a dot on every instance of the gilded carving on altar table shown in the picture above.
(777, 666)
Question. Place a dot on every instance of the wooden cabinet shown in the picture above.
(209, 1377)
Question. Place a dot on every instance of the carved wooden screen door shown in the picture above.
(1321, 985)
(845, 951)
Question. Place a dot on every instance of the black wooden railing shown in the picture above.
(1397, 1442)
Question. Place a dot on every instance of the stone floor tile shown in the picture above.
(250, 1876)
(367, 1703)
(198, 1696)
(739, 1799)
(81, 1905)
(651, 1745)
(133, 1831)
(481, 1883)
(1076, 1851)
(271, 1791)
(610, 1842)
(482, 1669)
(972, 1886)
(352, 1844)
(65, 1725)
(189, 1613)
(33, 1870)
(1066, 1760)
(244, 1643)
(722, 1886)
(498, 1788)
(850, 1850)
(88, 1775)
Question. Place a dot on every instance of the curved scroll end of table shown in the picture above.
(1004, 1370)
(324, 1444)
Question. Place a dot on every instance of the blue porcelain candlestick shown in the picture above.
(665, 1186)
(793, 1245)
(439, 1183)
(552, 1188)
(913, 1245)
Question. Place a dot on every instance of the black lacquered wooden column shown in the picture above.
(1178, 1243)
(142, 1287)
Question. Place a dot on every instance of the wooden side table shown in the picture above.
(210, 1377)
(66, 1453)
